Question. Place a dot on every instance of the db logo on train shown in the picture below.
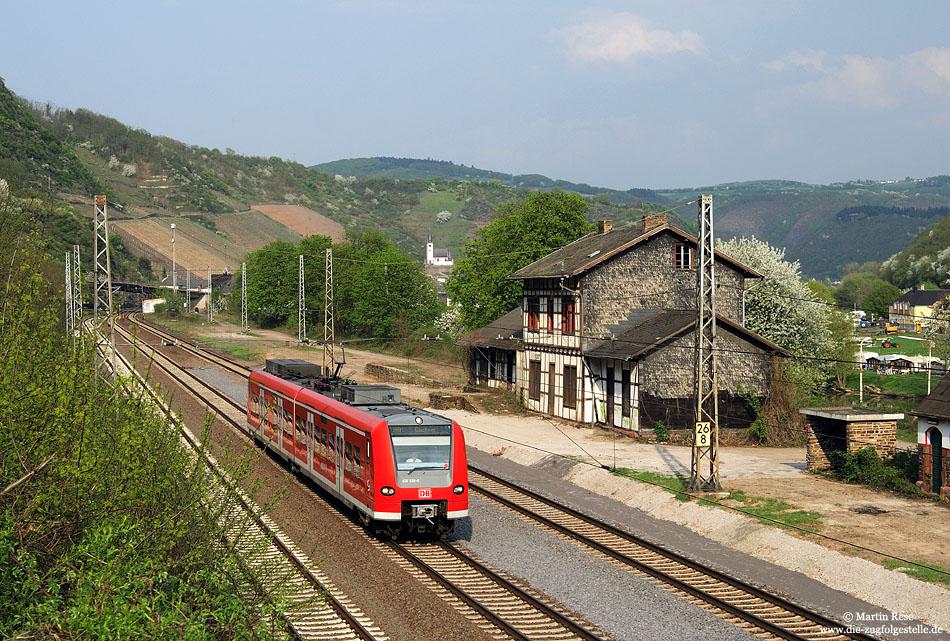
(425, 493)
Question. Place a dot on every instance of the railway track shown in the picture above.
(510, 611)
(315, 608)
(747, 606)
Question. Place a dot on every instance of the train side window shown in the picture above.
(323, 419)
(357, 464)
(348, 458)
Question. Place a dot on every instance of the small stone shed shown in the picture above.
(847, 429)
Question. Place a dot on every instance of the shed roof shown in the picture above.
(661, 326)
(507, 327)
(937, 403)
(588, 251)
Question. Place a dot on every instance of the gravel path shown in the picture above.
(223, 381)
(628, 607)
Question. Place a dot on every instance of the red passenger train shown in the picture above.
(403, 469)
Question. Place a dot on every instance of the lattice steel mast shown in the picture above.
(103, 277)
(244, 298)
(704, 473)
(328, 313)
(76, 286)
(70, 318)
(301, 306)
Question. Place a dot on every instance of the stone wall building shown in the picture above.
(834, 430)
(608, 331)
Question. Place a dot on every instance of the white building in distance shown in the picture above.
(437, 257)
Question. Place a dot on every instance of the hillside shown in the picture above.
(35, 154)
(827, 226)
(415, 169)
(153, 181)
(926, 260)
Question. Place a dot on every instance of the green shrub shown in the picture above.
(661, 431)
(864, 466)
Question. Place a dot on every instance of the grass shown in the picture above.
(767, 510)
(676, 484)
(907, 384)
(940, 573)
(239, 349)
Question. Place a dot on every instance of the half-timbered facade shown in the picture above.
(608, 329)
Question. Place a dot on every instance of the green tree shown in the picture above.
(878, 300)
(779, 309)
(380, 291)
(271, 283)
(521, 232)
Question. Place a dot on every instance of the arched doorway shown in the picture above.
(935, 438)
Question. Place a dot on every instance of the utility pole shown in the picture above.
(301, 306)
(188, 289)
(103, 277)
(210, 298)
(704, 473)
(328, 314)
(174, 267)
(244, 298)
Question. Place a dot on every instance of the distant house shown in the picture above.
(606, 332)
(933, 439)
(911, 310)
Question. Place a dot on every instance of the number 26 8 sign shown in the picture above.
(703, 433)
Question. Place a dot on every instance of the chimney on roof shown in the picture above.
(653, 220)
(604, 226)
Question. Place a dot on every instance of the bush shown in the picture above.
(107, 525)
(661, 431)
(864, 466)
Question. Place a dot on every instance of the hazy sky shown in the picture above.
(616, 94)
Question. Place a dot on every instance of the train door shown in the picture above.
(339, 459)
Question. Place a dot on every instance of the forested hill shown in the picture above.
(152, 181)
(927, 260)
(428, 169)
(34, 154)
(826, 227)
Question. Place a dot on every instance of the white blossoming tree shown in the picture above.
(782, 308)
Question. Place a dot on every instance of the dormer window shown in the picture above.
(682, 256)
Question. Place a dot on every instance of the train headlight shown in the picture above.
(458, 489)
(387, 491)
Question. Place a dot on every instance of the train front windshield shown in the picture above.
(422, 447)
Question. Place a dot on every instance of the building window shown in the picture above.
(534, 313)
(625, 392)
(570, 386)
(534, 380)
(682, 256)
(550, 302)
(567, 315)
